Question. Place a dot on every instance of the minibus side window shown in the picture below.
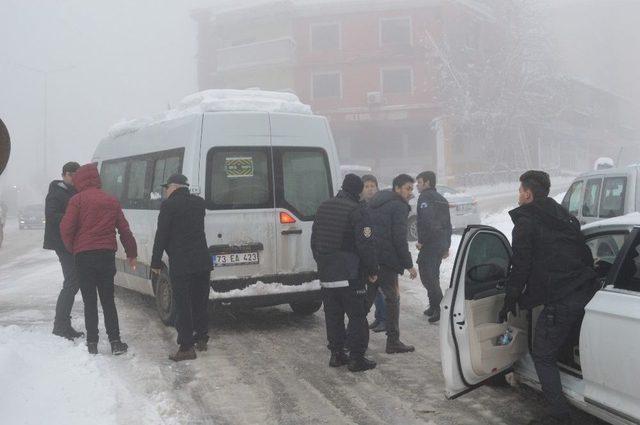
(239, 178)
(573, 199)
(304, 180)
(591, 197)
(112, 176)
(163, 168)
(137, 190)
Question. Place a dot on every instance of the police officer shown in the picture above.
(181, 234)
(434, 239)
(343, 247)
(551, 266)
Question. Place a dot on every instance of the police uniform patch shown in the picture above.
(367, 232)
(423, 205)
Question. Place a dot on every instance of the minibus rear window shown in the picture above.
(239, 178)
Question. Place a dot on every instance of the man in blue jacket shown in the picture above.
(343, 247)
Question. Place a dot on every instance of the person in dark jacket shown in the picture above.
(60, 191)
(380, 317)
(342, 244)
(181, 235)
(551, 266)
(389, 211)
(434, 239)
(88, 230)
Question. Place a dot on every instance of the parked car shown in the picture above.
(604, 193)
(462, 207)
(31, 217)
(599, 363)
(263, 174)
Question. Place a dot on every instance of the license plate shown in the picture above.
(236, 259)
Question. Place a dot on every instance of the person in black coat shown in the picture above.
(551, 266)
(60, 191)
(389, 211)
(434, 239)
(342, 244)
(181, 234)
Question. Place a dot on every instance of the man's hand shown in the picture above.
(446, 254)
(419, 246)
(373, 278)
(413, 273)
(508, 307)
(155, 271)
(133, 263)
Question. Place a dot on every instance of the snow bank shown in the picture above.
(261, 288)
(218, 101)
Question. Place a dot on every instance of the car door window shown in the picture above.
(591, 198)
(487, 264)
(628, 276)
(604, 250)
(573, 199)
(613, 197)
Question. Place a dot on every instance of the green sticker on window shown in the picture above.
(238, 167)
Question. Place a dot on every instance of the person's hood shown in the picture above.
(59, 185)
(87, 177)
(346, 195)
(384, 197)
(549, 211)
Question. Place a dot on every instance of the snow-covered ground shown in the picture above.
(264, 366)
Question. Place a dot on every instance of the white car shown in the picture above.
(463, 209)
(600, 364)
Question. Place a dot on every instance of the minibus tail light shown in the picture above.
(286, 218)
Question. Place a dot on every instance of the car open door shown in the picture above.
(609, 347)
(469, 330)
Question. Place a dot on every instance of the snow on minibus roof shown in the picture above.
(218, 100)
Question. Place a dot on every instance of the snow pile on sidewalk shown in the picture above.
(217, 101)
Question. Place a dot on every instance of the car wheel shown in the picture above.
(165, 304)
(306, 308)
(412, 229)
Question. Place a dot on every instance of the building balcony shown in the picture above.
(262, 53)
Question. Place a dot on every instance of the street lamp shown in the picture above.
(45, 73)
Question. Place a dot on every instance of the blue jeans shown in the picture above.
(381, 310)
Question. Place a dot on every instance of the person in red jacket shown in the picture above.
(88, 230)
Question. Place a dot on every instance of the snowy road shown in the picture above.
(264, 366)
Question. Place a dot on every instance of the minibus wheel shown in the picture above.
(165, 303)
(306, 308)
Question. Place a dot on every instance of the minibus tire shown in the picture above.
(165, 303)
(306, 308)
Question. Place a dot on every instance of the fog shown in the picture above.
(562, 74)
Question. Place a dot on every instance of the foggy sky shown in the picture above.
(106, 61)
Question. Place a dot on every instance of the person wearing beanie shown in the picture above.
(342, 242)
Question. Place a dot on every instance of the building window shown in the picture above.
(397, 80)
(395, 31)
(327, 85)
(325, 37)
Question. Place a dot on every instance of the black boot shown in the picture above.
(338, 358)
(184, 353)
(74, 333)
(396, 346)
(435, 318)
(360, 364)
(374, 324)
(92, 347)
(201, 343)
(429, 312)
(118, 347)
(382, 327)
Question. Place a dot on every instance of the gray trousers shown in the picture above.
(429, 268)
(69, 290)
